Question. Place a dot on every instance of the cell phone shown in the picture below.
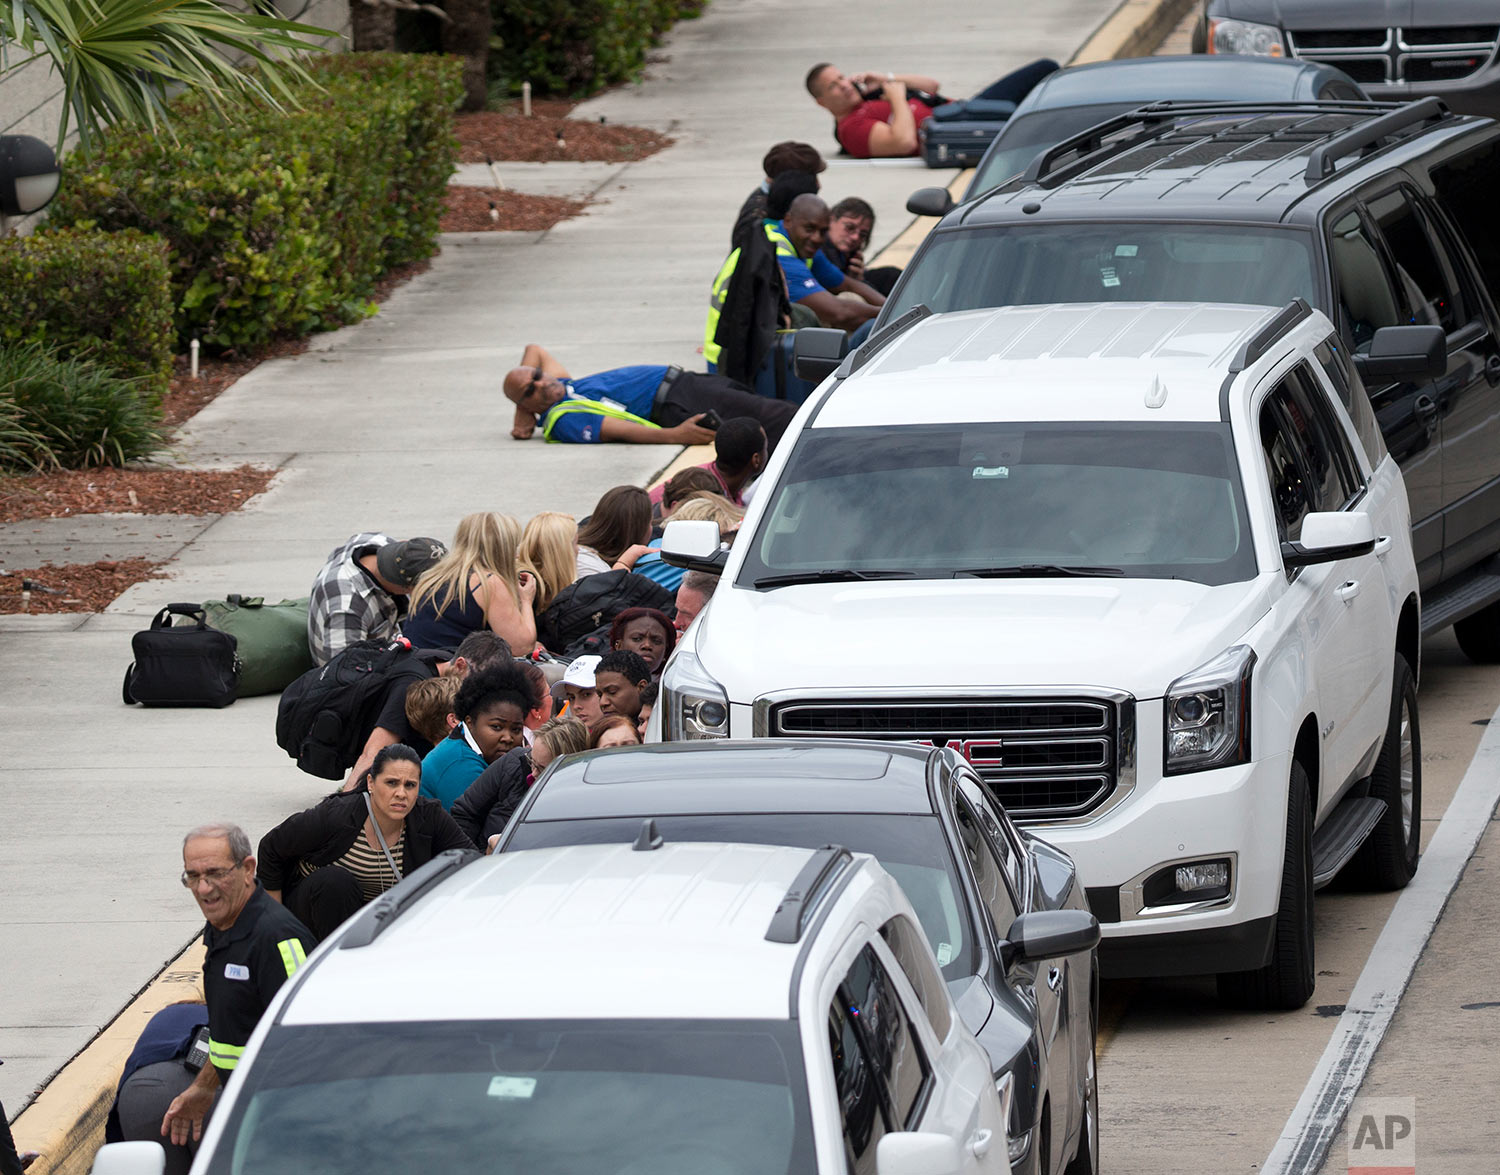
(711, 420)
(197, 1054)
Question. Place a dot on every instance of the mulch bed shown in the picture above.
(549, 135)
(72, 587)
(67, 492)
(482, 210)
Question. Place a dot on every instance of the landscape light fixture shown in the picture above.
(29, 175)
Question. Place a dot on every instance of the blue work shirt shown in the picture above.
(632, 388)
(805, 278)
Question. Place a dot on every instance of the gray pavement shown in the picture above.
(398, 423)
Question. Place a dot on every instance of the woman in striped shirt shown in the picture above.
(328, 861)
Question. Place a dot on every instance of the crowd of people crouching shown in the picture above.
(541, 640)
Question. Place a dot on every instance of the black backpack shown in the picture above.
(325, 716)
(593, 601)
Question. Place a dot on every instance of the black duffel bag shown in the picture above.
(593, 601)
(191, 665)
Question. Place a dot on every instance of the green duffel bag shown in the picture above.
(272, 640)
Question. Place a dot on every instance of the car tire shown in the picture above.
(1086, 1157)
(1479, 635)
(1388, 858)
(1287, 980)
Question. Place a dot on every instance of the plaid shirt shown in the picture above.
(347, 604)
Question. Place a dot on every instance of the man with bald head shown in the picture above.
(812, 280)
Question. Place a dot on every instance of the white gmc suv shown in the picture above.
(1148, 567)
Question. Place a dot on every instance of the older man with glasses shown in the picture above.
(252, 944)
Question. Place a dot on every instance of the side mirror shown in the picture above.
(1330, 536)
(918, 1152)
(817, 352)
(130, 1158)
(693, 545)
(930, 202)
(1050, 934)
(1404, 353)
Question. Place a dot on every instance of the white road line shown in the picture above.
(1310, 1130)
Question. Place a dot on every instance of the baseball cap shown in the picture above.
(404, 563)
(580, 670)
(792, 156)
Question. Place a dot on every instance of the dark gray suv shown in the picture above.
(1411, 49)
(1379, 215)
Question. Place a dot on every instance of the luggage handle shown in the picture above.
(163, 619)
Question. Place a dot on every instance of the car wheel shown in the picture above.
(1086, 1158)
(1479, 635)
(1388, 858)
(1287, 980)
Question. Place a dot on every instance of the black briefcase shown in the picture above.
(191, 665)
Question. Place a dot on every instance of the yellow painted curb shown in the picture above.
(1134, 29)
(66, 1121)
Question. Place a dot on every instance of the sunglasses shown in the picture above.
(534, 383)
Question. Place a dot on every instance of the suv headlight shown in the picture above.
(1207, 714)
(1243, 36)
(694, 705)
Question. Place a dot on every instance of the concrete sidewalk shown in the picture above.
(398, 424)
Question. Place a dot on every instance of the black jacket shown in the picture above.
(324, 833)
(755, 303)
(487, 805)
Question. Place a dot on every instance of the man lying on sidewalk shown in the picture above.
(647, 405)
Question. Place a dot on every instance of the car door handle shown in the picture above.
(1426, 410)
(979, 1143)
(1054, 978)
(1347, 590)
(1492, 370)
(1383, 546)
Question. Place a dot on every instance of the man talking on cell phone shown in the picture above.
(643, 405)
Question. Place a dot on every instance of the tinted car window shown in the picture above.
(912, 849)
(1466, 186)
(1351, 390)
(988, 877)
(860, 1103)
(1157, 501)
(1012, 265)
(1285, 464)
(912, 953)
(1366, 298)
(886, 1033)
(1428, 287)
(1330, 461)
(1026, 137)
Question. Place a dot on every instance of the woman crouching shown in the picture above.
(328, 861)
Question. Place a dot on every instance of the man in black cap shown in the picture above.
(360, 594)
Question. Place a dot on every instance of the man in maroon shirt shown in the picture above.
(887, 124)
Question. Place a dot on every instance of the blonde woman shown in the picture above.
(476, 585)
(549, 550)
(697, 506)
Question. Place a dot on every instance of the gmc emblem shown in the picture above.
(980, 752)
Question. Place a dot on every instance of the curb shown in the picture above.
(65, 1122)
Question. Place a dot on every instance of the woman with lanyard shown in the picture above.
(328, 861)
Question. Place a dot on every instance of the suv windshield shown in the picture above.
(544, 1097)
(1158, 501)
(1016, 265)
(910, 848)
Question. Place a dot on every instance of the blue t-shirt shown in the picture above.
(657, 569)
(448, 769)
(805, 278)
(631, 388)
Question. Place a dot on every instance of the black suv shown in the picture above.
(1379, 215)
(1443, 48)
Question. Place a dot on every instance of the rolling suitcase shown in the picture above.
(958, 134)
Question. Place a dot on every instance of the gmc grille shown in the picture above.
(1388, 56)
(1043, 758)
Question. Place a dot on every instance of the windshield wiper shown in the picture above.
(1037, 571)
(830, 575)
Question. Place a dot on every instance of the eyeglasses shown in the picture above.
(212, 876)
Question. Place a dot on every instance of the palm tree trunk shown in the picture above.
(467, 34)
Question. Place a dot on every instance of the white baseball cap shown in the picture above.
(580, 670)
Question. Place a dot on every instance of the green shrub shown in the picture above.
(70, 412)
(280, 223)
(578, 46)
(105, 295)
